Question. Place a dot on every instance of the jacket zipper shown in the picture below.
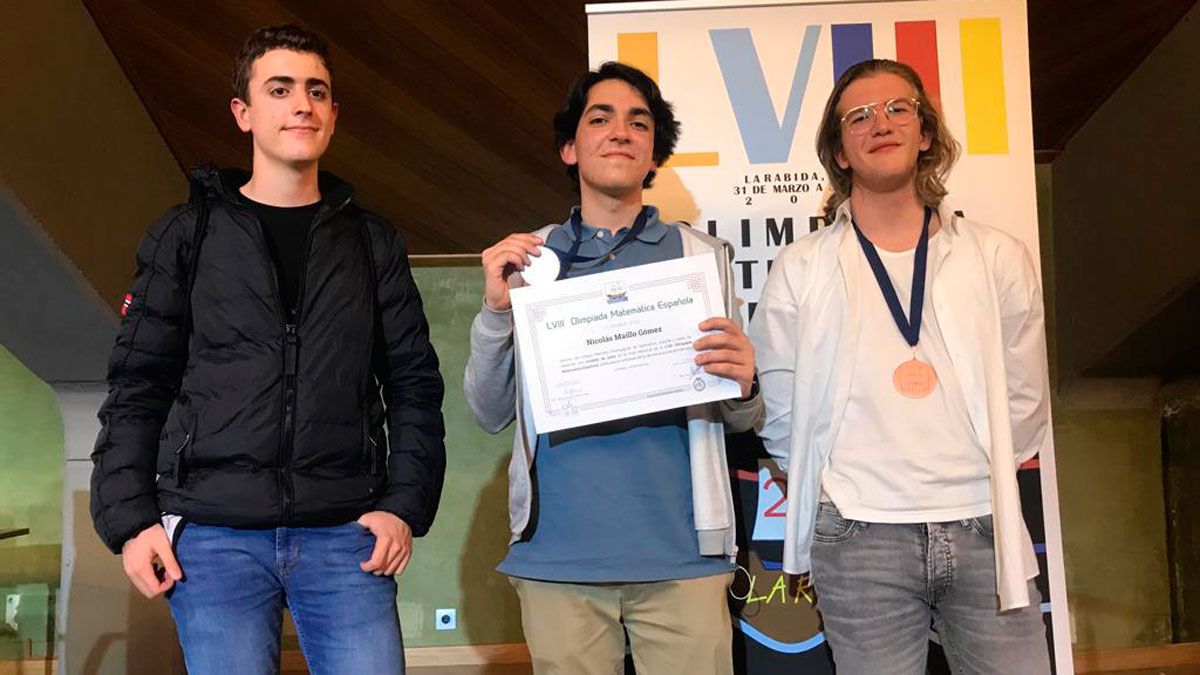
(291, 349)
(291, 354)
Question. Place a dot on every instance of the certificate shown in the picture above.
(618, 344)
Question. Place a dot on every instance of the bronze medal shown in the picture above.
(914, 378)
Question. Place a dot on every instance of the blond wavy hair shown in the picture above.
(933, 165)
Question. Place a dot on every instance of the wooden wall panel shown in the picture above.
(446, 106)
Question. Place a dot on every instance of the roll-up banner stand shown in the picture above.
(748, 81)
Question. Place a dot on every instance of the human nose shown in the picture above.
(881, 122)
(302, 104)
(619, 132)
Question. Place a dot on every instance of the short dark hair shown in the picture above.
(265, 39)
(666, 127)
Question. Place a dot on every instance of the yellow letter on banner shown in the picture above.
(640, 50)
(983, 86)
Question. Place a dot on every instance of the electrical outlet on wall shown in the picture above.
(445, 619)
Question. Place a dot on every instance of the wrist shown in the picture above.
(753, 389)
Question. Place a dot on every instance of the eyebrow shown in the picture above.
(604, 107)
(291, 81)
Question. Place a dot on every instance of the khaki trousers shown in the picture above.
(675, 627)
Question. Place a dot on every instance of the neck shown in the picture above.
(891, 220)
(288, 185)
(609, 212)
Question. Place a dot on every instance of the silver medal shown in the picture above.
(542, 269)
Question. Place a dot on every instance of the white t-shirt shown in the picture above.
(898, 459)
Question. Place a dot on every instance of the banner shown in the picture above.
(749, 82)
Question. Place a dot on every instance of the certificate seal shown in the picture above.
(542, 269)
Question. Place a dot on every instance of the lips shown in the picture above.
(622, 155)
(883, 147)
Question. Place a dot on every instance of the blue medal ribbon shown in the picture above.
(909, 327)
(573, 256)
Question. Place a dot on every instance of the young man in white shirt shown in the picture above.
(902, 356)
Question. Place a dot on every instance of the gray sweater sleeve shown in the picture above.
(739, 415)
(744, 415)
(490, 379)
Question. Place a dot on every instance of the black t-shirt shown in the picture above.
(286, 230)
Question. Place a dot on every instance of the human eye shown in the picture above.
(642, 125)
(278, 91)
(900, 106)
(318, 93)
(858, 116)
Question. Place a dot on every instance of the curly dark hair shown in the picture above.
(265, 39)
(666, 127)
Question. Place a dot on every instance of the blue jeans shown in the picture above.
(880, 585)
(229, 607)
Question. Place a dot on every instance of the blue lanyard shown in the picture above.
(910, 328)
(573, 256)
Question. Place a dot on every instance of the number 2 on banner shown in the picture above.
(770, 516)
(776, 510)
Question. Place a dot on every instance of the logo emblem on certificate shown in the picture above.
(615, 292)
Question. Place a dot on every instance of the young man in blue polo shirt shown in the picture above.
(625, 525)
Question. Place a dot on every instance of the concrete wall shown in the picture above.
(1108, 456)
(83, 171)
(54, 322)
(80, 150)
(1110, 481)
(1127, 203)
(31, 473)
(1181, 455)
(1120, 208)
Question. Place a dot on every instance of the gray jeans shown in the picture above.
(879, 586)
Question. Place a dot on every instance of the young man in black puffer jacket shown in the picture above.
(272, 328)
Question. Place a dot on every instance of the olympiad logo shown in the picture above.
(767, 137)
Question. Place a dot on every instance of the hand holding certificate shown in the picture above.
(620, 343)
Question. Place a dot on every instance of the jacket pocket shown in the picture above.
(831, 527)
(183, 452)
(372, 442)
(181, 460)
(982, 526)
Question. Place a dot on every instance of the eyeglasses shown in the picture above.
(899, 111)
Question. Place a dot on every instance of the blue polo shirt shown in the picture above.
(614, 500)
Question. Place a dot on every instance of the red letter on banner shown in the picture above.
(916, 45)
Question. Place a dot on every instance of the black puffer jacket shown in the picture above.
(247, 420)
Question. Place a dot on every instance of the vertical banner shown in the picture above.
(749, 82)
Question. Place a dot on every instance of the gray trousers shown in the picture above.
(880, 586)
